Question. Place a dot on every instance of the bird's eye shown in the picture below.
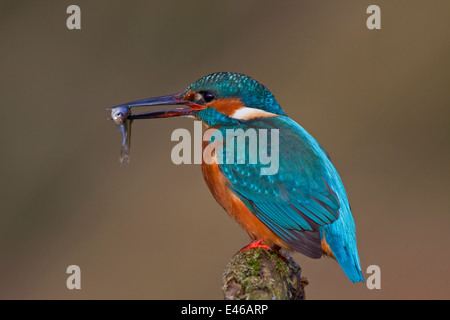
(208, 96)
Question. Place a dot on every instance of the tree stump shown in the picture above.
(259, 274)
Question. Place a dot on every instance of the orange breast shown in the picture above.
(218, 185)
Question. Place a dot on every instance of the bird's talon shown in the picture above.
(256, 244)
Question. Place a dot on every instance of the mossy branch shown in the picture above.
(258, 274)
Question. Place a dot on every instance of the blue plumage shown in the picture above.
(231, 84)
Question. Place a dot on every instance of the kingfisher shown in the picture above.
(301, 207)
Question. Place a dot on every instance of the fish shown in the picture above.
(121, 116)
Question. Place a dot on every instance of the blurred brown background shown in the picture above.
(378, 101)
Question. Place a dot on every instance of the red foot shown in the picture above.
(256, 244)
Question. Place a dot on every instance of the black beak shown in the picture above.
(174, 99)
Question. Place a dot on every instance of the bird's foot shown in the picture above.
(256, 244)
(259, 244)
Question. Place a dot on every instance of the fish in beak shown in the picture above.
(123, 117)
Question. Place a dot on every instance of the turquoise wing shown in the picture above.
(294, 201)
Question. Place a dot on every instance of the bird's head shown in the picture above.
(221, 98)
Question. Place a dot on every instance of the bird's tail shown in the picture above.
(345, 251)
(349, 261)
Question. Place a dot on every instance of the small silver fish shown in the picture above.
(120, 115)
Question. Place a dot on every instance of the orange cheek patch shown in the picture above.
(227, 106)
(234, 108)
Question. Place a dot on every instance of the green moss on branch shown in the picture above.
(258, 274)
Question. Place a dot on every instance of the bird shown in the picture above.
(303, 207)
